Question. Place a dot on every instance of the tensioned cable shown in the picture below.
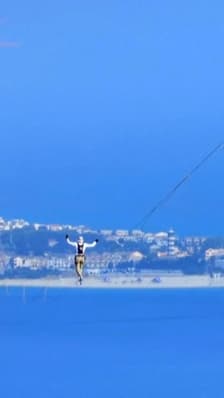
(141, 224)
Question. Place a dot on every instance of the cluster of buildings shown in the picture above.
(12, 224)
(95, 262)
(215, 258)
(160, 245)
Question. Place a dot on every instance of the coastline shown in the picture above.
(120, 282)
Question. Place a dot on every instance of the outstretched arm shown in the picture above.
(93, 244)
(70, 242)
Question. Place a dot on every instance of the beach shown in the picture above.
(145, 282)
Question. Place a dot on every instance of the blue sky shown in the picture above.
(104, 106)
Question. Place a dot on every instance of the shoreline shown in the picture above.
(120, 282)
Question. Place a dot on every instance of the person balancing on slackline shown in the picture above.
(80, 248)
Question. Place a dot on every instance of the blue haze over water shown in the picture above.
(111, 343)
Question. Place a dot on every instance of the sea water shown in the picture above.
(111, 343)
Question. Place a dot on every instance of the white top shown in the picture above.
(85, 245)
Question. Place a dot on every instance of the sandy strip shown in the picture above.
(118, 282)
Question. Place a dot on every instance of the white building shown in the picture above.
(106, 232)
(121, 233)
(137, 233)
(172, 249)
(19, 224)
(214, 253)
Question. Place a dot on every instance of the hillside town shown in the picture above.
(33, 248)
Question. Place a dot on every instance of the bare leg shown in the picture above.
(79, 263)
(77, 267)
(79, 271)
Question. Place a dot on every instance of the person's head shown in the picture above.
(80, 240)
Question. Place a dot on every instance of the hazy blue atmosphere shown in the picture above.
(105, 105)
(122, 343)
